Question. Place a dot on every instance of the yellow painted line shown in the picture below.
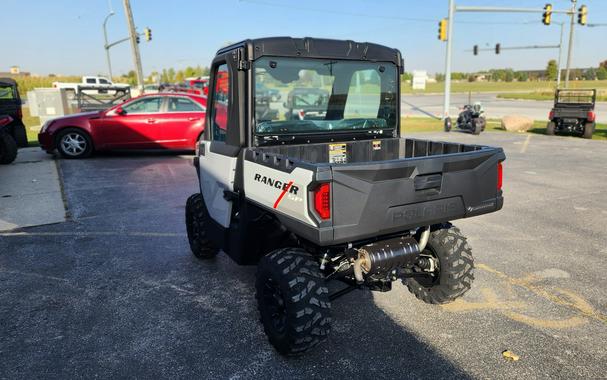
(490, 302)
(526, 143)
(558, 296)
(95, 233)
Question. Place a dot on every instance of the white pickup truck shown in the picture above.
(90, 81)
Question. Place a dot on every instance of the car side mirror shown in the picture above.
(120, 111)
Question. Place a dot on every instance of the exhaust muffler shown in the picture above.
(383, 257)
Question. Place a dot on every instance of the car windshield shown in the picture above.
(302, 96)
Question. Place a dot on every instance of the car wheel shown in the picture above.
(74, 143)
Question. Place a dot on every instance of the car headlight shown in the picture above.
(45, 126)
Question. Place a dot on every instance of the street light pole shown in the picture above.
(447, 99)
(570, 46)
(107, 48)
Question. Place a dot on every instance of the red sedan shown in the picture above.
(155, 121)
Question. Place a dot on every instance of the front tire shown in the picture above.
(447, 124)
(478, 126)
(588, 130)
(550, 128)
(8, 148)
(454, 274)
(74, 143)
(196, 221)
(293, 300)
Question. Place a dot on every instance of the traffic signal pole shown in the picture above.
(447, 99)
(453, 9)
(134, 45)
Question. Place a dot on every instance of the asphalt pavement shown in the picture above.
(495, 108)
(114, 291)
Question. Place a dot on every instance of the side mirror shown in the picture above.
(120, 111)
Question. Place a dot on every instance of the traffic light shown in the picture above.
(148, 34)
(442, 30)
(475, 49)
(547, 16)
(497, 48)
(138, 39)
(582, 15)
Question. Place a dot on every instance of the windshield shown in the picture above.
(295, 96)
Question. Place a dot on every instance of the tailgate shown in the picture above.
(373, 199)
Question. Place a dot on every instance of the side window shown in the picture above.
(183, 105)
(145, 105)
(103, 81)
(90, 80)
(219, 108)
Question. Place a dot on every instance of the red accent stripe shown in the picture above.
(282, 194)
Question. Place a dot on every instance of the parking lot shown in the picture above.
(115, 292)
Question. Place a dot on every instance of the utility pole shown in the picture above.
(558, 69)
(570, 46)
(134, 45)
(450, 21)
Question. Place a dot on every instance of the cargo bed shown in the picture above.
(384, 186)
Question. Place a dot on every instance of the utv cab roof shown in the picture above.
(316, 48)
(8, 81)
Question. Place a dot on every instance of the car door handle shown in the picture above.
(151, 121)
(193, 118)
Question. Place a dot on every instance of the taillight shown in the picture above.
(590, 116)
(19, 113)
(322, 200)
(551, 115)
(499, 175)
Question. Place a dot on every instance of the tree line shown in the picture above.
(510, 75)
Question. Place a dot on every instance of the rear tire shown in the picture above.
(550, 128)
(293, 300)
(196, 220)
(8, 148)
(588, 130)
(454, 275)
(74, 143)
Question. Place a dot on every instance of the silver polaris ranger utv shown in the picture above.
(336, 195)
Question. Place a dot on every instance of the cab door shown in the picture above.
(220, 147)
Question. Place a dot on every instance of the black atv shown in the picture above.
(471, 119)
(12, 130)
(573, 112)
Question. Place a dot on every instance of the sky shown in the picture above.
(66, 36)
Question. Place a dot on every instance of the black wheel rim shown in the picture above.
(275, 305)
